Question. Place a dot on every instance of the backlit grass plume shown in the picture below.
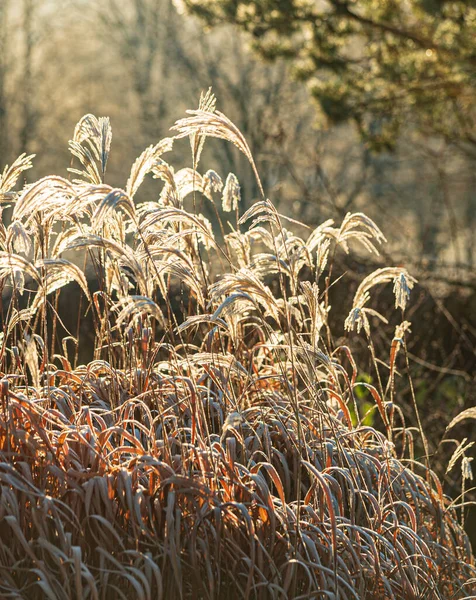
(214, 445)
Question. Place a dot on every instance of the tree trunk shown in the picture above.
(4, 150)
(27, 131)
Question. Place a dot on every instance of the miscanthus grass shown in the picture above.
(213, 447)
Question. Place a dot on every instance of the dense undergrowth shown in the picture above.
(216, 446)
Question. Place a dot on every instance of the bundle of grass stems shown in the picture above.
(214, 449)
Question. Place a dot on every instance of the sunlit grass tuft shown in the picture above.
(215, 446)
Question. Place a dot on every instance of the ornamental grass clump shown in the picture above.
(214, 446)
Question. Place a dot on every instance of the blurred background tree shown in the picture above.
(403, 71)
(378, 62)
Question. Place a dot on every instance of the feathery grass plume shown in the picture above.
(10, 175)
(216, 124)
(322, 255)
(261, 212)
(123, 254)
(212, 182)
(16, 317)
(260, 235)
(185, 273)
(320, 234)
(266, 263)
(50, 195)
(355, 226)
(97, 134)
(461, 448)
(466, 467)
(12, 264)
(469, 413)
(231, 193)
(55, 274)
(397, 342)
(293, 252)
(31, 359)
(146, 163)
(86, 157)
(17, 238)
(403, 283)
(188, 181)
(169, 196)
(172, 215)
(359, 227)
(207, 240)
(131, 309)
(317, 310)
(115, 199)
(245, 281)
(224, 361)
(240, 247)
(207, 103)
(402, 286)
(466, 471)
